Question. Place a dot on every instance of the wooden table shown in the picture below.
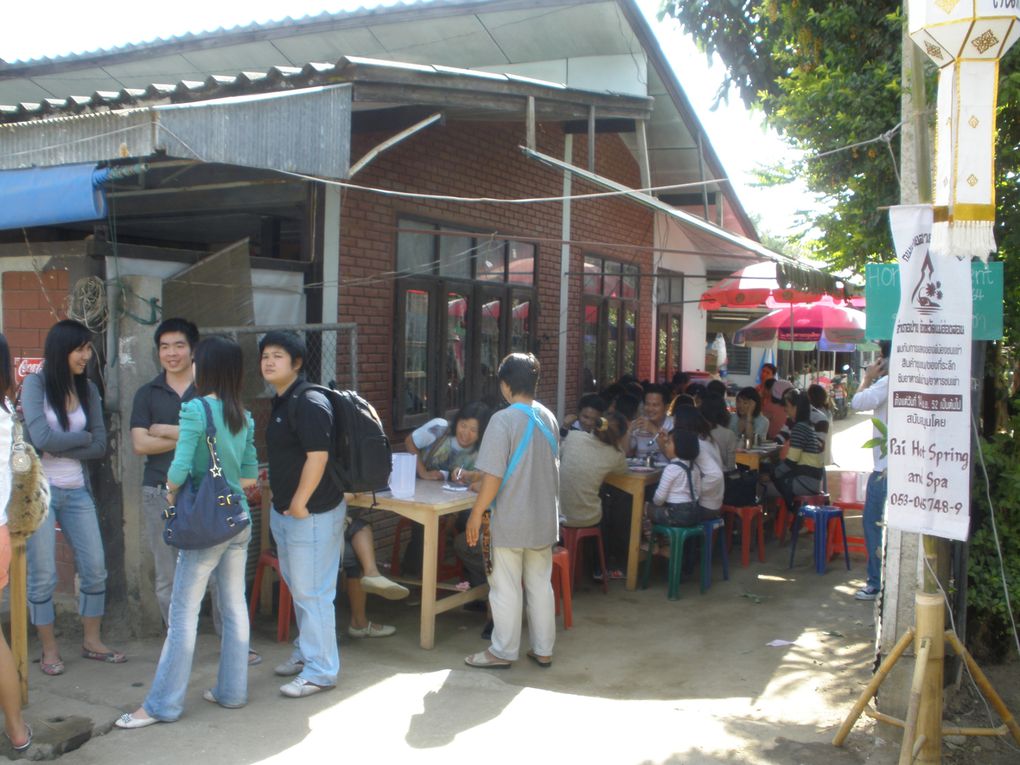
(634, 483)
(752, 458)
(429, 503)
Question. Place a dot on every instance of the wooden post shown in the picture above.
(930, 624)
(266, 597)
(19, 613)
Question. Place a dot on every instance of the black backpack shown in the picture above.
(360, 458)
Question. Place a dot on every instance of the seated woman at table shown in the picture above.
(748, 421)
(802, 471)
(708, 464)
(713, 409)
(585, 461)
(446, 452)
(772, 405)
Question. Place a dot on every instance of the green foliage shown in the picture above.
(985, 596)
(881, 440)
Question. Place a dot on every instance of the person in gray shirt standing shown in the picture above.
(154, 417)
(519, 461)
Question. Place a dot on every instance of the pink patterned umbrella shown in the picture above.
(805, 323)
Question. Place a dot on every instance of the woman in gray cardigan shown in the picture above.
(64, 419)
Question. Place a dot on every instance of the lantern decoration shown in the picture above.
(966, 39)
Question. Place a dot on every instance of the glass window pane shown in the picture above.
(662, 289)
(415, 252)
(593, 276)
(488, 346)
(415, 394)
(612, 343)
(522, 263)
(611, 281)
(491, 260)
(520, 325)
(675, 326)
(630, 282)
(629, 341)
(676, 290)
(455, 256)
(457, 344)
(590, 380)
(661, 345)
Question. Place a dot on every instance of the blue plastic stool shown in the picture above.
(821, 515)
(710, 529)
(678, 536)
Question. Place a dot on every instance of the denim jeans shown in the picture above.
(76, 512)
(309, 551)
(874, 511)
(225, 562)
(511, 566)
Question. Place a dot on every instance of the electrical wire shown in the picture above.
(88, 303)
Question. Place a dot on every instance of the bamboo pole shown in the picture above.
(985, 686)
(910, 727)
(929, 620)
(869, 691)
(1002, 730)
(19, 614)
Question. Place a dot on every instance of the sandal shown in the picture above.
(254, 658)
(543, 661)
(21, 747)
(109, 657)
(485, 660)
(56, 668)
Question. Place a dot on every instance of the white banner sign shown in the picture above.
(929, 385)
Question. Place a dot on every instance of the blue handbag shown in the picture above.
(210, 514)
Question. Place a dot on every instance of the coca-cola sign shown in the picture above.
(24, 366)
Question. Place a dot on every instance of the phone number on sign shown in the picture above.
(930, 504)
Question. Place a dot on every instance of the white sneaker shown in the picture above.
(289, 668)
(373, 630)
(387, 588)
(299, 687)
(866, 593)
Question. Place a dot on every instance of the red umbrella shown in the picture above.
(805, 323)
(751, 286)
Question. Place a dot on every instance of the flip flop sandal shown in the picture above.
(21, 747)
(543, 661)
(485, 660)
(254, 658)
(56, 668)
(108, 657)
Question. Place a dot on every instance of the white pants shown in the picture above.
(509, 566)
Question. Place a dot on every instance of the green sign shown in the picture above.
(882, 292)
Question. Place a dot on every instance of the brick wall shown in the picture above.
(31, 305)
(479, 160)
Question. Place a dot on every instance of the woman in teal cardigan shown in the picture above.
(218, 374)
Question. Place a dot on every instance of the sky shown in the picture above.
(738, 135)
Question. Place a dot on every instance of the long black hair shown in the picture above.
(219, 368)
(63, 338)
(6, 378)
(689, 418)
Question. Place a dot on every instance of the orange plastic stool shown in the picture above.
(561, 585)
(572, 537)
(443, 570)
(268, 559)
(856, 544)
(747, 514)
(784, 520)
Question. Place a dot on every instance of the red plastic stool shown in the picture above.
(268, 559)
(784, 520)
(561, 585)
(856, 544)
(747, 514)
(572, 537)
(444, 570)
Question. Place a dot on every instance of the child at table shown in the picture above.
(676, 499)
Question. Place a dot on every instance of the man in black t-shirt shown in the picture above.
(308, 514)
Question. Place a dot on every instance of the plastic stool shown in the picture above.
(268, 559)
(572, 537)
(678, 536)
(786, 517)
(561, 585)
(747, 514)
(444, 570)
(856, 544)
(710, 528)
(823, 516)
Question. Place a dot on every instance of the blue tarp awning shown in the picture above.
(46, 196)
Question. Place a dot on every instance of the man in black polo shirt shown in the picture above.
(308, 514)
(154, 418)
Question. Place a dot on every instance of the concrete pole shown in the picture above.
(561, 356)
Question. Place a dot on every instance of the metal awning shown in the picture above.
(796, 273)
(302, 131)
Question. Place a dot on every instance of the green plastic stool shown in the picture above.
(678, 536)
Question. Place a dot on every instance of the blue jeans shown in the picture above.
(225, 562)
(874, 511)
(309, 551)
(76, 512)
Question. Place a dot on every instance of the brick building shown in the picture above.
(258, 191)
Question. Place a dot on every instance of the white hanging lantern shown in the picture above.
(966, 39)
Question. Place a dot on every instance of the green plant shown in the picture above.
(881, 440)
